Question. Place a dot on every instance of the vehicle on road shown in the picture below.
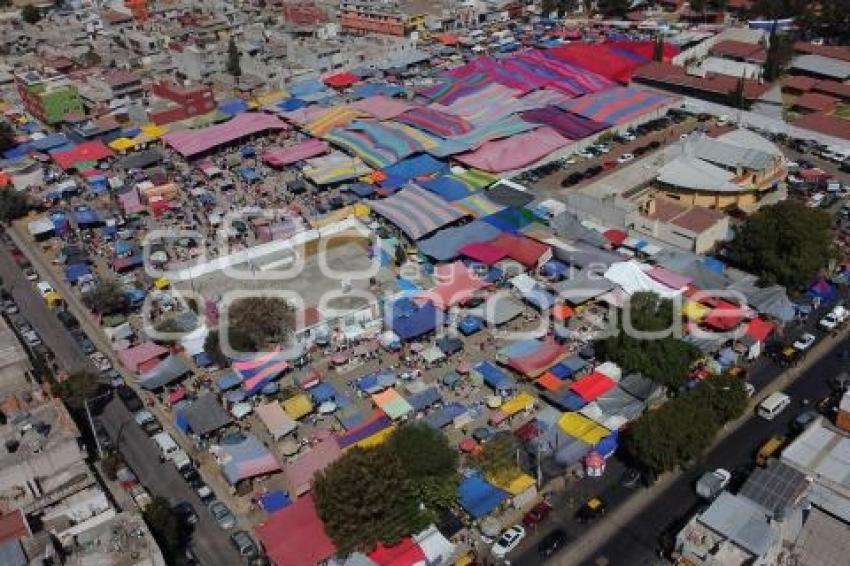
(631, 478)
(509, 540)
(166, 445)
(710, 484)
(537, 514)
(185, 512)
(147, 422)
(83, 341)
(767, 450)
(129, 397)
(552, 543)
(245, 545)
(803, 420)
(749, 389)
(593, 508)
(31, 338)
(68, 320)
(773, 404)
(804, 342)
(625, 158)
(834, 318)
(222, 515)
(10, 307)
(44, 288)
(100, 361)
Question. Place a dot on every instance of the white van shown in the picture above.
(774, 404)
(167, 446)
(181, 460)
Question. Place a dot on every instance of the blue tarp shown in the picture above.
(479, 498)
(123, 248)
(494, 377)
(203, 360)
(323, 392)
(444, 415)
(377, 381)
(17, 152)
(447, 186)
(75, 272)
(823, 290)
(561, 371)
(566, 400)
(307, 87)
(362, 190)
(409, 325)
(446, 244)
(236, 396)
(51, 141)
(233, 107)
(511, 220)
(249, 174)
(291, 104)
(229, 381)
(608, 445)
(714, 264)
(87, 218)
(249, 151)
(274, 501)
(369, 89)
(130, 132)
(135, 296)
(469, 325)
(424, 399)
(554, 268)
(540, 298)
(417, 166)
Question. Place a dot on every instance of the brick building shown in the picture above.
(175, 102)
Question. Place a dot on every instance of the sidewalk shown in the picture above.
(584, 549)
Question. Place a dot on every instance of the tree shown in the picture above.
(75, 390)
(30, 14)
(779, 53)
(738, 97)
(13, 204)
(617, 8)
(365, 498)
(724, 395)
(498, 458)
(165, 527)
(400, 255)
(429, 462)
(238, 342)
(234, 67)
(106, 298)
(658, 54)
(7, 136)
(262, 320)
(786, 244)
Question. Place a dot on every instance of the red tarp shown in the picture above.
(759, 329)
(616, 237)
(598, 59)
(455, 283)
(88, 151)
(538, 361)
(341, 80)
(521, 249)
(405, 553)
(484, 252)
(295, 535)
(724, 316)
(645, 49)
(593, 386)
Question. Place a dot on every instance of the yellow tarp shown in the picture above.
(375, 440)
(515, 486)
(162, 283)
(153, 131)
(298, 406)
(52, 299)
(361, 210)
(521, 402)
(122, 144)
(272, 97)
(694, 311)
(581, 427)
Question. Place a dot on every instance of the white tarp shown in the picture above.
(611, 370)
(40, 226)
(523, 283)
(436, 547)
(631, 278)
(193, 343)
(278, 423)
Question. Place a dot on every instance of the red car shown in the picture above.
(537, 514)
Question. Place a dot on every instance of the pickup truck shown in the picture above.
(710, 484)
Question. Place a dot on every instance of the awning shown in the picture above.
(169, 370)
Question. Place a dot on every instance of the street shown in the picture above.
(635, 542)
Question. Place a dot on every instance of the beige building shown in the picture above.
(692, 228)
(15, 367)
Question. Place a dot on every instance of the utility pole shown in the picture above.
(91, 421)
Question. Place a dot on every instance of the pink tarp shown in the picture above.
(484, 252)
(133, 358)
(130, 202)
(516, 152)
(192, 142)
(295, 535)
(299, 472)
(278, 157)
(537, 362)
(381, 107)
(669, 278)
(455, 283)
(598, 59)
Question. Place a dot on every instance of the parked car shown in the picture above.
(129, 397)
(68, 320)
(631, 478)
(804, 342)
(710, 484)
(202, 490)
(804, 419)
(145, 419)
(552, 543)
(594, 508)
(10, 307)
(245, 545)
(767, 450)
(222, 515)
(625, 158)
(509, 540)
(83, 341)
(185, 512)
(31, 338)
(100, 361)
(536, 514)
(834, 318)
(44, 288)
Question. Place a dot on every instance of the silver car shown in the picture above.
(222, 515)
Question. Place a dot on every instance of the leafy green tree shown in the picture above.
(30, 14)
(724, 395)
(75, 390)
(658, 53)
(234, 67)
(498, 458)
(365, 497)
(165, 527)
(786, 244)
(262, 320)
(7, 136)
(737, 97)
(779, 53)
(107, 297)
(13, 204)
(238, 341)
(429, 462)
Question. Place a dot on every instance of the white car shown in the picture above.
(44, 288)
(749, 388)
(835, 317)
(31, 338)
(625, 158)
(711, 484)
(100, 361)
(804, 342)
(585, 154)
(509, 540)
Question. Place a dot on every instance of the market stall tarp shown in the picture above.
(245, 459)
(516, 152)
(447, 243)
(189, 143)
(598, 58)
(412, 321)
(444, 415)
(392, 403)
(521, 249)
(565, 76)
(417, 212)
(498, 310)
(593, 385)
(205, 415)
(369, 90)
(295, 536)
(169, 370)
(375, 424)
(334, 168)
(534, 362)
(334, 117)
(478, 497)
(341, 80)
(281, 156)
(278, 423)
(416, 166)
(138, 356)
(494, 377)
(633, 279)
(300, 472)
(571, 126)
(405, 553)
(94, 150)
(259, 370)
(381, 107)
(580, 427)
(618, 105)
(455, 283)
(382, 143)
(643, 50)
(435, 122)
(298, 406)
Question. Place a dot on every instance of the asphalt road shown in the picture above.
(210, 543)
(636, 542)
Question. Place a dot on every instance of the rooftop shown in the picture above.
(825, 124)
(698, 219)
(690, 172)
(739, 50)
(776, 487)
(11, 351)
(727, 154)
(823, 453)
(816, 101)
(822, 66)
(114, 540)
(824, 541)
(741, 521)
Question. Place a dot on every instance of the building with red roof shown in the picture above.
(712, 86)
(740, 51)
(815, 102)
(295, 535)
(14, 526)
(825, 124)
(841, 52)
